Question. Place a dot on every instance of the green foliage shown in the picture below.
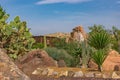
(59, 43)
(38, 46)
(99, 40)
(99, 57)
(15, 37)
(86, 52)
(96, 29)
(59, 54)
(116, 38)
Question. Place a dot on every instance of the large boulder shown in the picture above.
(8, 70)
(35, 59)
(112, 62)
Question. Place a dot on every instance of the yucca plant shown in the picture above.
(99, 40)
(99, 57)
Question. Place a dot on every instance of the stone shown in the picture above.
(89, 74)
(8, 70)
(61, 63)
(112, 62)
(98, 75)
(71, 73)
(63, 74)
(107, 74)
(92, 65)
(115, 76)
(78, 74)
(55, 74)
(45, 72)
(50, 72)
(35, 59)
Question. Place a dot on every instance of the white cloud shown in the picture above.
(61, 1)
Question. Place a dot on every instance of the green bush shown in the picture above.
(59, 54)
(99, 40)
(59, 43)
(99, 57)
(38, 46)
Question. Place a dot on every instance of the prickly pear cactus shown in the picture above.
(15, 37)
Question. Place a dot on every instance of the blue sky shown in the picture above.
(50, 16)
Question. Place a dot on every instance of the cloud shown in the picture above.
(60, 1)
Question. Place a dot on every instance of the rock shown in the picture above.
(89, 74)
(50, 72)
(98, 75)
(115, 76)
(112, 62)
(38, 71)
(35, 59)
(71, 73)
(55, 74)
(61, 63)
(78, 34)
(8, 70)
(107, 75)
(78, 74)
(63, 74)
(45, 72)
(92, 65)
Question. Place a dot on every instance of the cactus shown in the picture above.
(45, 44)
(85, 54)
(15, 37)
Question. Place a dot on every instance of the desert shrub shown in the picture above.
(38, 46)
(99, 57)
(59, 54)
(59, 43)
(116, 38)
(99, 40)
(15, 37)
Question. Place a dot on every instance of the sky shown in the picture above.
(50, 16)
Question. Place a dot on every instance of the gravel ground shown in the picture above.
(69, 78)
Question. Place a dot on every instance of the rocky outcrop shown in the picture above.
(8, 70)
(112, 62)
(34, 59)
(78, 34)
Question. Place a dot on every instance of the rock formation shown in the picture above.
(8, 70)
(34, 59)
(78, 34)
(112, 62)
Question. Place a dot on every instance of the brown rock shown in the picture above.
(92, 65)
(112, 62)
(35, 59)
(78, 34)
(8, 70)
(61, 63)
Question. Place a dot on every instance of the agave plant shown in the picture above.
(98, 57)
(99, 40)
